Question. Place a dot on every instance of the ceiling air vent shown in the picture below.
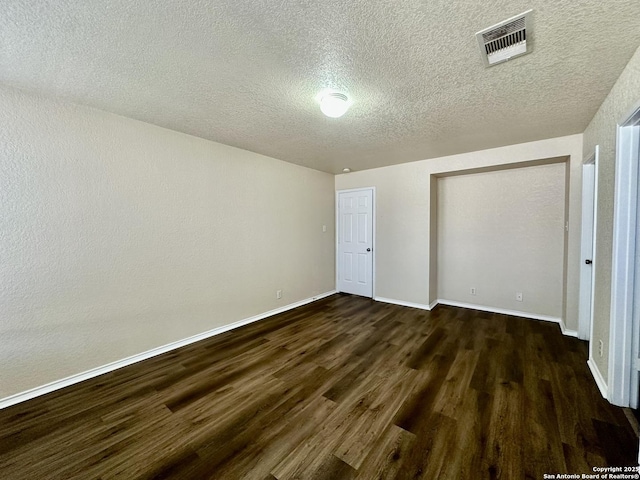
(506, 40)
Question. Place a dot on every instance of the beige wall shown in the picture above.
(118, 236)
(404, 207)
(624, 96)
(502, 232)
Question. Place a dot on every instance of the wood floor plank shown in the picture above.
(575, 423)
(308, 457)
(622, 437)
(455, 385)
(384, 400)
(503, 455)
(387, 455)
(433, 437)
(334, 468)
(269, 447)
(465, 460)
(345, 387)
(542, 442)
(417, 409)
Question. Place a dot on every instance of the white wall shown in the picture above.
(502, 232)
(404, 225)
(118, 236)
(602, 131)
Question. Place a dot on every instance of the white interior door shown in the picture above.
(355, 242)
(634, 388)
(587, 257)
(622, 381)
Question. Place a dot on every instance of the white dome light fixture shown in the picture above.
(334, 104)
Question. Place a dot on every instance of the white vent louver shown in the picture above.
(506, 40)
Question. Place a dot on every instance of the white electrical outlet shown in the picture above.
(519, 296)
(600, 347)
(278, 293)
(472, 290)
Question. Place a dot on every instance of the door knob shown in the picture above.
(588, 262)
(368, 249)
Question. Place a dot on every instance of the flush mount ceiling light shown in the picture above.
(334, 104)
(346, 170)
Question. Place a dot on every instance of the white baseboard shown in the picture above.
(403, 303)
(94, 372)
(566, 331)
(513, 313)
(597, 376)
(304, 302)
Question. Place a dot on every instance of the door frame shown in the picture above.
(373, 234)
(623, 378)
(590, 167)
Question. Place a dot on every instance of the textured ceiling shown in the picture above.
(246, 72)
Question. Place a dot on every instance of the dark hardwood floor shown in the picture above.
(338, 389)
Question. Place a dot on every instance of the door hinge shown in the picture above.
(636, 364)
